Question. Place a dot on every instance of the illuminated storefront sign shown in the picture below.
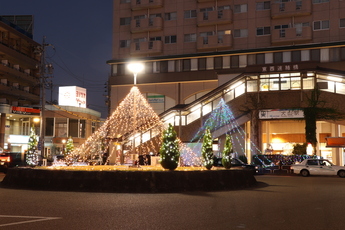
(281, 113)
(72, 96)
(25, 110)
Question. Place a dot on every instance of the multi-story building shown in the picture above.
(20, 96)
(19, 75)
(197, 51)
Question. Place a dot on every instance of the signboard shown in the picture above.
(281, 114)
(155, 98)
(72, 96)
(25, 110)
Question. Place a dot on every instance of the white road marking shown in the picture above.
(37, 219)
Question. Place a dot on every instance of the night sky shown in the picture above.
(81, 33)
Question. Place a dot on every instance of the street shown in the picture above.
(278, 202)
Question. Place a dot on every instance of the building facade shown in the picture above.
(19, 75)
(193, 49)
(20, 98)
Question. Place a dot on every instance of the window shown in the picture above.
(73, 127)
(342, 23)
(240, 8)
(223, 7)
(60, 127)
(320, 1)
(125, 43)
(163, 65)
(234, 61)
(260, 59)
(93, 127)
(189, 37)
(334, 54)
(321, 25)
(82, 128)
(282, 30)
(125, 1)
(298, 5)
(296, 56)
(50, 127)
(240, 33)
(315, 55)
(120, 69)
(263, 31)
(170, 39)
(125, 21)
(186, 65)
(278, 57)
(155, 39)
(202, 64)
(218, 62)
(190, 14)
(170, 16)
(263, 5)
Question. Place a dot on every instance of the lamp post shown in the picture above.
(135, 68)
(63, 146)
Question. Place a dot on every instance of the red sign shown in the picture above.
(25, 110)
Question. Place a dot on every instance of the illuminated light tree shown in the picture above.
(227, 152)
(69, 146)
(169, 151)
(31, 154)
(207, 151)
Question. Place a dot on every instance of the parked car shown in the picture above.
(318, 167)
(5, 161)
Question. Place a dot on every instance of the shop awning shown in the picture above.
(335, 142)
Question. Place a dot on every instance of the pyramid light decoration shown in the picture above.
(135, 126)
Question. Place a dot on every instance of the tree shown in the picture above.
(227, 151)
(169, 150)
(69, 146)
(316, 110)
(31, 154)
(206, 151)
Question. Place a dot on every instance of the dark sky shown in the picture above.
(81, 32)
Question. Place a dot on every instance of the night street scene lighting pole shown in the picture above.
(45, 72)
(135, 68)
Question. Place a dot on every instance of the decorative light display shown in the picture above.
(31, 154)
(207, 151)
(169, 151)
(222, 118)
(227, 152)
(133, 125)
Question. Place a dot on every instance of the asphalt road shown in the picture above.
(278, 202)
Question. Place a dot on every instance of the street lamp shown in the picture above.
(63, 146)
(135, 68)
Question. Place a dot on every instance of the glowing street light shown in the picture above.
(63, 146)
(135, 68)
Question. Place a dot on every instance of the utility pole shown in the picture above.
(46, 71)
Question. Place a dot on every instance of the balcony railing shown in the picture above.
(146, 48)
(146, 24)
(17, 72)
(290, 9)
(146, 4)
(214, 42)
(215, 17)
(290, 35)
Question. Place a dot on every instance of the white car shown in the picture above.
(318, 167)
